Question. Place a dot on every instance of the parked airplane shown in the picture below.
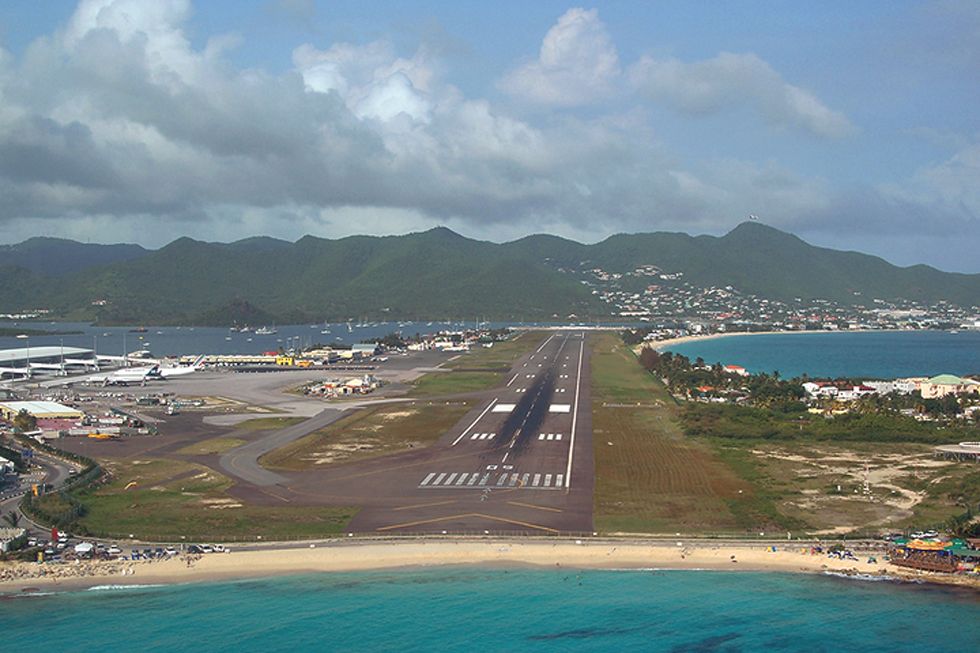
(140, 375)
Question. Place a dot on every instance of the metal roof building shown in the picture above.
(18, 357)
(39, 409)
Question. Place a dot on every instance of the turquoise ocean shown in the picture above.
(872, 354)
(480, 609)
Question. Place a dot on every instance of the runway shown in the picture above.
(520, 461)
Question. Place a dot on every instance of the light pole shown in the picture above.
(24, 336)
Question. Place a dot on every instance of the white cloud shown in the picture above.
(371, 80)
(729, 81)
(119, 127)
(577, 64)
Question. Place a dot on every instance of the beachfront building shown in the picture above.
(898, 386)
(7, 536)
(947, 384)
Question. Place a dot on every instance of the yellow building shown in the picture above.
(947, 384)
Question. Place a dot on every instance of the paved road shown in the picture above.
(243, 462)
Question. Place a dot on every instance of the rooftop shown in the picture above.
(8, 356)
(38, 408)
(950, 379)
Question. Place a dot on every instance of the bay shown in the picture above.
(871, 354)
(504, 610)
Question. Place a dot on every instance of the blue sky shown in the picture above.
(853, 125)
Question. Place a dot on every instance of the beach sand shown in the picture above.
(350, 556)
(670, 342)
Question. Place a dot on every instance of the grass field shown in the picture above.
(369, 432)
(654, 478)
(857, 486)
(436, 384)
(649, 477)
(212, 446)
(479, 369)
(160, 499)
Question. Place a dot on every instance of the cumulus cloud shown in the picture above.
(731, 80)
(119, 127)
(577, 64)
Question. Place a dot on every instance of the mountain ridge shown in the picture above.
(440, 273)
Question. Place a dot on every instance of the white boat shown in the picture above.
(266, 331)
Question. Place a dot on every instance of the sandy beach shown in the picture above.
(348, 556)
(670, 342)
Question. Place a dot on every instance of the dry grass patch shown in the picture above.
(649, 477)
(368, 433)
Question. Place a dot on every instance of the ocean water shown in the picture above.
(178, 341)
(871, 354)
(475, 609)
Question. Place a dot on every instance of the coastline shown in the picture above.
(342, 556)
(658, 345)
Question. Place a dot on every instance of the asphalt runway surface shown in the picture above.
(519, 462)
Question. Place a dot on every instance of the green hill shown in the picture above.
(440, 274)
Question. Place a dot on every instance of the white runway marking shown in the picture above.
(536, 481)
(547, 480)
(439, 478)
(504, 408)
(484, 479)
(571, 438)
(524, 480)
(560, 390)
(463, 434)
(544, 343)
(452, 477)
(522, 390)
(513, 480)
(502, 480)
(512, 380)
(473, 479)
(462, 477)
(428, 478)
(558, 436)
(558, 480)
(559, 408)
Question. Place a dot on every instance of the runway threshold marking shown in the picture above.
(464, 515)
(531, 505)
(571, 439)
(463, 434)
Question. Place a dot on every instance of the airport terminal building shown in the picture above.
(15, 362)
